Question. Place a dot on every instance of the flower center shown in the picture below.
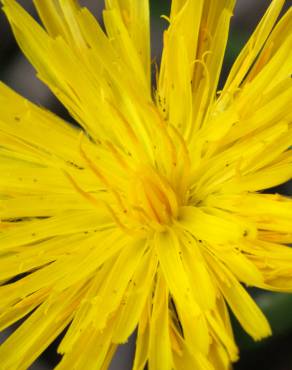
(141, 192)
(152, 200)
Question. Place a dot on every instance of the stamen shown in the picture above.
(141, 212)
(183, 144)
(100, 176)
(163, 129)
(166, 18)
(117, 155)
(204, 101)
(205, 54)
(86, 195)
(167, 189)
(94, 169)
(261, 62)
(97, 202)
(184, 179)
(137, 145)
(206, 37)
(125, 123)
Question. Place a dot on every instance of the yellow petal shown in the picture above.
(168, 251)
(201, 282)
(135, 16)
(253, 47)
(159, 330)
(135, 298)
(43, 326)
(206, 226)
(244, 308)
(143, 335)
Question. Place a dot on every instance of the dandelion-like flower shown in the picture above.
(151, 215)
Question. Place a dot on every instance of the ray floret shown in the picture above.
(149, 214)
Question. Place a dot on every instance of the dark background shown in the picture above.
(271, 354)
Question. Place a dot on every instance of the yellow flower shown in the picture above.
(150, 214)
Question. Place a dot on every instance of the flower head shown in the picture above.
(150, 215)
